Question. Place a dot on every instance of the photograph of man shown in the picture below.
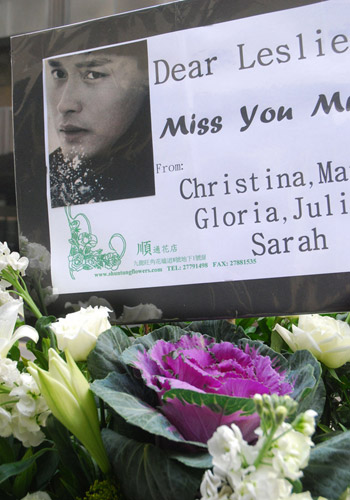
(99, 125)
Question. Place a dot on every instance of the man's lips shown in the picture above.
(73, 132)
(71, 129)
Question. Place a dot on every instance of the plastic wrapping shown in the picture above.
(226, 298)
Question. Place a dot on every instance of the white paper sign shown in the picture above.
(250, 126)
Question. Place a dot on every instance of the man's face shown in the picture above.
(93, 99)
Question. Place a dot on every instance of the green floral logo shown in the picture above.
(83, 254)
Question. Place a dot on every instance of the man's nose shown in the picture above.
(70, 100)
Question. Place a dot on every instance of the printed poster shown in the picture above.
(211, 154)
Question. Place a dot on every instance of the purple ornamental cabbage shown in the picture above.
(199, 364)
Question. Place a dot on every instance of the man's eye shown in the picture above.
(94, 75)
(58, 74)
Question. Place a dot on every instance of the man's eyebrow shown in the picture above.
(93, 63)
(54, 64)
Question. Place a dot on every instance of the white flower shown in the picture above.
(225, 448)
(290, 452)
(306, 423)
(326, 338)
(4, 284)
(263, 484)
(23, 410)
(251, 472)
(12, 259)
(50, 295)
(305, 495)
(212, 487)
(17, 262)
(9, 375)
(39, 495)
(78, 331)
(8, 317)
(345, 495)
(4, 249)
(26, 430)
(5, 297)
(93, 302)
(139, 313)
(5, 423)
(38, 256)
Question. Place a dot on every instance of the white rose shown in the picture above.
(78, 331)
(39, 495)
(326, 338)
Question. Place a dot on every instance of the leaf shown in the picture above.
(134, 410)
(333, 373)
(42, 326)
(145, 471)
(309, 390)
(14, 468)
(7, 453)
(130, 355)
(14, 353)
(40, 355)
(218, 403)
(105, 357)
(266, 325)
(220, 330)
(70, 466)
(197, 460)
(47, 466)
(23, 480)
(328, 472)
(124, 382)
(277, 343)
(167, 333)
(43, 323)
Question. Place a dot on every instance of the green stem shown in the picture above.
(265, 447)
(11, 401)
(102, 413)
(16, 280)
(5, 390)
(39, 291)
(51, 335)
(348, 319)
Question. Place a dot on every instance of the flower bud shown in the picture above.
(258, 403)
(305, 422)
(280, 414)
(68, 396)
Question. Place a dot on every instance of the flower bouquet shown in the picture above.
(257, 408)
